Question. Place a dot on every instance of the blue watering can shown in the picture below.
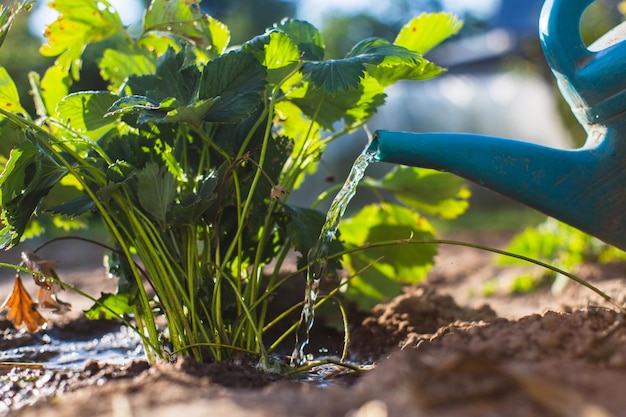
(583, 187)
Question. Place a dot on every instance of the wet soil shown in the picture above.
(440, 349)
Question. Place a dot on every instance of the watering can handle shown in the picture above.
(559, 30)
(590, 79)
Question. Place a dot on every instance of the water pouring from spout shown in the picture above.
(318, 255)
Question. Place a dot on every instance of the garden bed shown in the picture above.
(441, 349)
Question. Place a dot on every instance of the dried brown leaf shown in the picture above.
(22, 309)
(47, 291)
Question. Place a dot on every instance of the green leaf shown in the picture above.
(169, 96)
(9, 98)
(378, 51)
(556, 243)
(80, 22)
(26, 180)
(306, 36)
(11, 137)
(175, 77)
(195, 204)
(436, 193)
(219, 35)
(422, 70)
(342, 74)
(192, 114)
(53, 87)
(85, 111)
(277, 52)
(185, 19)
(167, 111)
(353, 106)
(110, 306)
(74, 207)
(129, 152)
(116, 66)
(335, 74)
(236, 80)
(132, 104)
(393, 264)
(159, 42)
(6, 237)
(156, 189)
(419, 36)
(428, 30)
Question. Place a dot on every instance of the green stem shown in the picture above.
(108, 220)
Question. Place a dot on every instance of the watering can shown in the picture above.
(584, 187)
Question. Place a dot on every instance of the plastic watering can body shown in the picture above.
(583, 187)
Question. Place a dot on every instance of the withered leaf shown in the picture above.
(47, 291)
(22, 309)
(47, 298)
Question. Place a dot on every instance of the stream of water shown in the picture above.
(317, 257)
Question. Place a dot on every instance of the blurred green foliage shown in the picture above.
(19, 55)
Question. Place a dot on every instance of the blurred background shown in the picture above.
(497, 81)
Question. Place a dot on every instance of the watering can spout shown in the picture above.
(583, 187)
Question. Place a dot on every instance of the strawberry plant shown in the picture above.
(189, 156)
(560, 245)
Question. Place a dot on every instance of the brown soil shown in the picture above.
(440, 349)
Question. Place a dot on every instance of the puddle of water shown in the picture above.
(118, 347)
(319, 253)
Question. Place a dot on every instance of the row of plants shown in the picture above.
(188, 159)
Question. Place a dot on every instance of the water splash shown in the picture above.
(318, 255)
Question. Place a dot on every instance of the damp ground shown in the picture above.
(440, 349)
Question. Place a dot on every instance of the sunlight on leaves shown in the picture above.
(220, 35)
(436, 193)
(158, 42)
(428, 30)
(277, 52)
(110, 306)
(9, 98)
(80, 22)
(352, 105)
(337, 75)
(306, 37)
(116, 66)
(84, 111)
(53, 87)
(184, 18)
(420, 35)
(393, 265)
